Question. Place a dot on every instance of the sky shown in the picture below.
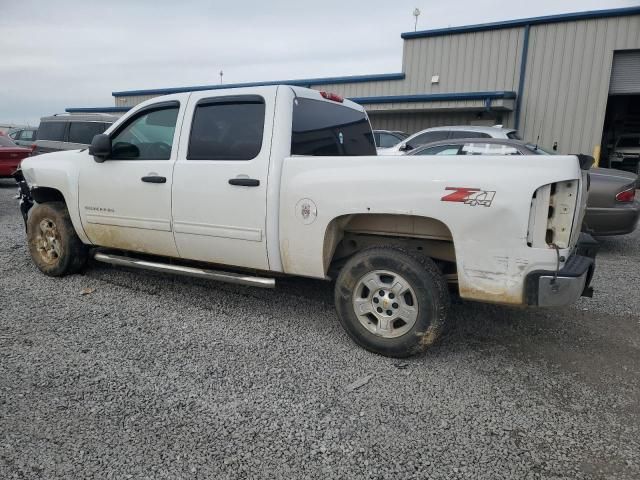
(74, 53)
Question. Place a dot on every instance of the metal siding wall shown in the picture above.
(467, 62)
(566, 85)
(567, 80)
(133, 100)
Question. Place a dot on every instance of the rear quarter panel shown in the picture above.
(492, 255)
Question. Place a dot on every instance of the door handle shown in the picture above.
(154, 179)
(244, 182)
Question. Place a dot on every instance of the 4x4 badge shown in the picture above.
(469, 196)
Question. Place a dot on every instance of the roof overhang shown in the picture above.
(435, 102)
(564, 17)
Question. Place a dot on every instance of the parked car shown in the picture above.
(70, 132)
(626, 153)
(10, 156)
(282, 180)
(435, 134)
(25, 137)
(388, 138)
(611, 208)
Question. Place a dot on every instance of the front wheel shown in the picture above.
(390, 302)
(53, 243)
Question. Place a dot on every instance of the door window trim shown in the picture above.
(249, 98)
(144, 111)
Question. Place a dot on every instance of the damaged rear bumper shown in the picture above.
(545, 288)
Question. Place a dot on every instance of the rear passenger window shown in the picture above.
(227, 128)
(468, 134)
(330, 129)
(53, 131)
(83, 132)
(27, 135)
(428, 137)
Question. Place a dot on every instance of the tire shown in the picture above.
(53, 244)
(391, 302)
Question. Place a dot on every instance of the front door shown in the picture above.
(220, 178)
(125, 201)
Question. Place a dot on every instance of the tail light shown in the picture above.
(332, 96)
(627, 195)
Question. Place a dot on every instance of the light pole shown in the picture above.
(221, 74)
(416, 13)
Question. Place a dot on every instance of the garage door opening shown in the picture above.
(621, 133)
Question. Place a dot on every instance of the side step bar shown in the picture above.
(228, 277)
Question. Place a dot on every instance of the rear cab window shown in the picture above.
(324, 128)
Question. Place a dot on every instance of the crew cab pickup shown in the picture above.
(244, 185)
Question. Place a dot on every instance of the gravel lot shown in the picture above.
(153, 376)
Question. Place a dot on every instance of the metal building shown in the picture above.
(570, 81)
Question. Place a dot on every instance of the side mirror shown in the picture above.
(406, 147)
(100, 147)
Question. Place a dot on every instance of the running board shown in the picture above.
(228, 277)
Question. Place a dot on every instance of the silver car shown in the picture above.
(70, 132)
(626, 153)
(436, 134)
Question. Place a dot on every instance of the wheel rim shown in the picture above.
(48, 241)
(385, 304)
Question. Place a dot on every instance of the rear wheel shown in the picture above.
(53, 244)
(391, 302)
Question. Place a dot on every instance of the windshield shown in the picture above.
(629, 142)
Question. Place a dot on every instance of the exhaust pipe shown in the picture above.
(228, 277)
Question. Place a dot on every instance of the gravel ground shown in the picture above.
(153, 376)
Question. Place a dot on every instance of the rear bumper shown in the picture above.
(617, 220)
(545, 288)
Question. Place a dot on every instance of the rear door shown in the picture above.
(220, 178)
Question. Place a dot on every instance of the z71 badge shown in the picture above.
(469, 196)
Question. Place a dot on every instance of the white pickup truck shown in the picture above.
(248, 184)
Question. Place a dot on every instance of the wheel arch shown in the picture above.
(348, 234)
(47, 194)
